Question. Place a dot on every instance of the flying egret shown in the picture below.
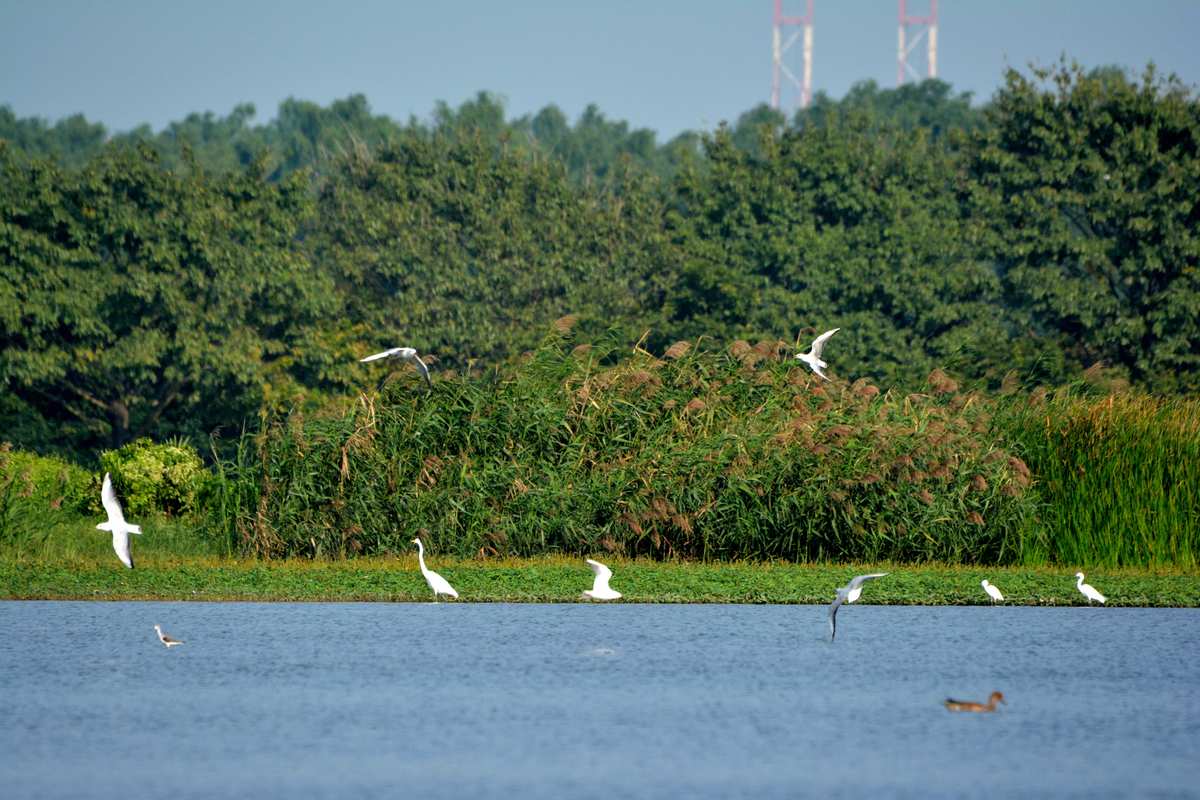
(969, 705)
(992, 591)
(436, 582)
(600, 589)
(848, 594)
(813, 356)
(1088, 590)
(403, 354)
(116, 523)
(165, 639)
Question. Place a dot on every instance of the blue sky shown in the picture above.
(668, 65)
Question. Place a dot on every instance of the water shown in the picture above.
(582, 701)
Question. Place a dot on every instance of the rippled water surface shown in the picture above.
(580, 701)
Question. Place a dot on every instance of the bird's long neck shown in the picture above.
(1079, 580)
(421, 557)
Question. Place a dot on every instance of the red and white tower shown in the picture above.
(779, 70)
(913, 29)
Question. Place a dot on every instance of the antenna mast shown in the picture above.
(925, 28)
(779, 70)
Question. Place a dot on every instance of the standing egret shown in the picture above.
(848, 594)
(992, 591)
(436, 582)
(1088, 590)
(813, 356)
(968, 705)
(116, 523)
(600, 589)
(403, 354)
(165, 639)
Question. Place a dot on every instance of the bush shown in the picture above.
(155, 478)
(46, 482)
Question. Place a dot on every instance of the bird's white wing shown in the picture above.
(820, 372)
(108, 499)
(384, 354)
(424, 370)
(833, 609)
(440, 585)
(861, 579)
(121, 547)
(819, 343)
(602, 573)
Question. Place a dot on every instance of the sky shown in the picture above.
(667, 65)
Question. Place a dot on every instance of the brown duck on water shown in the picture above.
(967, 705)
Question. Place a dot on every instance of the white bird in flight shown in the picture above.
(600, 589)
(436, 582)
(1088, 590)
(403, 354)
(165, 639)
(992, 591)
(813, 356)
(848, 594)
(116, 523)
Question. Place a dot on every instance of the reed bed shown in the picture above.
(706, 454)
(1118, 477)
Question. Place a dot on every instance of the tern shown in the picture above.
(116, 523)
(1088, 590)
(403, 354)
(600, 589)
(848, 594)
(165, 639)
(992, 591)
(968, 705)
(813, 356)
(436, 582)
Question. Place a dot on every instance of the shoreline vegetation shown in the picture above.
(559, 579)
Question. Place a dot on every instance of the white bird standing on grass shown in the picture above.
(403, 354)
(165, 639)
(1088, 590)
(992, 591)
(116, 523)
(436, 582)
(848, 594)
(600, 589)
(813, 356)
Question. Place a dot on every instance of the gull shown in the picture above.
(165, 639)
(848, 594)
(992, 591)
(968, 705)
(1088, 590)
(600, 589)
(813, 356)
(403, 354)
(116, 523)
(436, 582)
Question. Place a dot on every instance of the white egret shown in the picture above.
(813, 356)
(1087, 590)
(403, 354)
(116, 523)
(848, 594)
(969, 705)
(992, 591)
(165, 639)
(436, 582)
(600, 589)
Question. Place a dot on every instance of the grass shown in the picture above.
(560, 579)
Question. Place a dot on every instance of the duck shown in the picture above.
(969, 705)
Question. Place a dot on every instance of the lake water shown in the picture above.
(587, 701)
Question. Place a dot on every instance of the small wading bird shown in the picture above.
(403, 354)
(436, 582)
(116, 523)
(968, 705)
(600, 589)
(813, 356)
(992, 591)
(848, 594)
(1088, 590)
(165, 639)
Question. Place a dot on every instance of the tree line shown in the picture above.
(180, 283)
